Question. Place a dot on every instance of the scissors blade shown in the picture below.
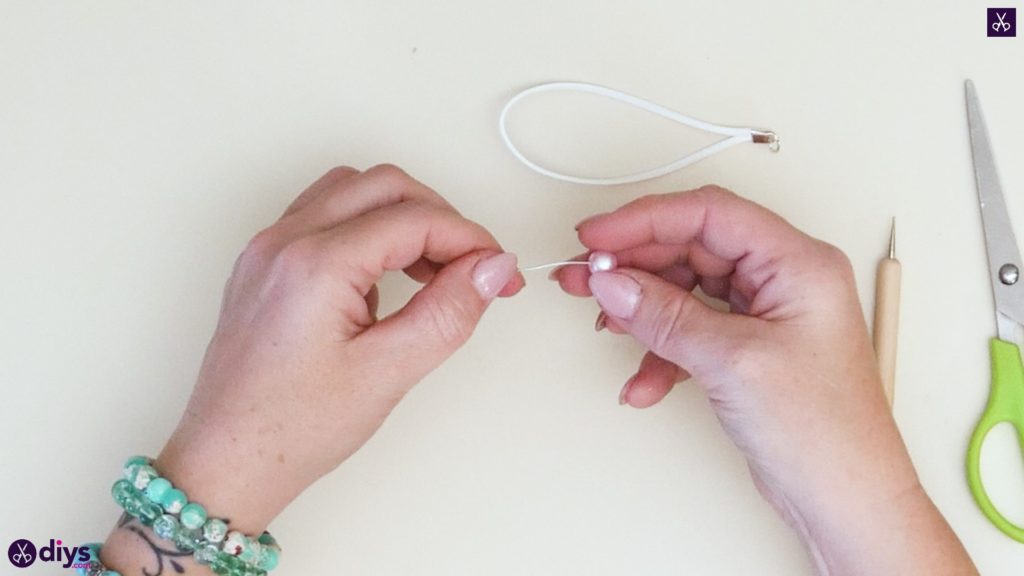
(1000, 241)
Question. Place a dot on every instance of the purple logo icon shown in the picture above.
(1002, 22)
(22, 553)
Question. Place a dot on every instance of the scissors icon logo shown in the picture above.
(1002, 22)
(22, 553)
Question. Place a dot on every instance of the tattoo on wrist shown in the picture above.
(169, 556)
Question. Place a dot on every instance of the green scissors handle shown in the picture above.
(1005, 405)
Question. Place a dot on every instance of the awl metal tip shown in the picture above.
(892, 239)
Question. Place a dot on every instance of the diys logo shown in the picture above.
(22, 554)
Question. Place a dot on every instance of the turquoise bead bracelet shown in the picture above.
(94, 567)
(155, 502)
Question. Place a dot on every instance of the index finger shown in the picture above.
(728, 226)
(399, 235)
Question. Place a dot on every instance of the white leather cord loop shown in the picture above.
(733, 135)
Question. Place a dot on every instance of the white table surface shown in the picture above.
(141, 144)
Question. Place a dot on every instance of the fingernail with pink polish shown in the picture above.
(587, 219)
(624, 393)
(492, 274)
(618, 294)
(601, 322)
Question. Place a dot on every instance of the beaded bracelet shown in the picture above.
(155, 502)
(94, 567)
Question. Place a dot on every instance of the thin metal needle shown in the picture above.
(892, 240)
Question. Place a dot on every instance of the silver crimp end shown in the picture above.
(766, 137)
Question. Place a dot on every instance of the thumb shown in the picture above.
(669, 321)
(439, 318)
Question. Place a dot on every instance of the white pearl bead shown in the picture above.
(234, 543)
(602, 262)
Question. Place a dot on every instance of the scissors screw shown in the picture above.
(1009, 274)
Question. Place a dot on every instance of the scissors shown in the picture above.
(1006, 397)
(1005, 26)
(22, 557)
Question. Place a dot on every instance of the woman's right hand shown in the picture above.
(790, 370)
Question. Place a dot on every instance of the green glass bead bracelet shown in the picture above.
(155, 502)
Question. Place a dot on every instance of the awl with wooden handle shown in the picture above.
(887, 315)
